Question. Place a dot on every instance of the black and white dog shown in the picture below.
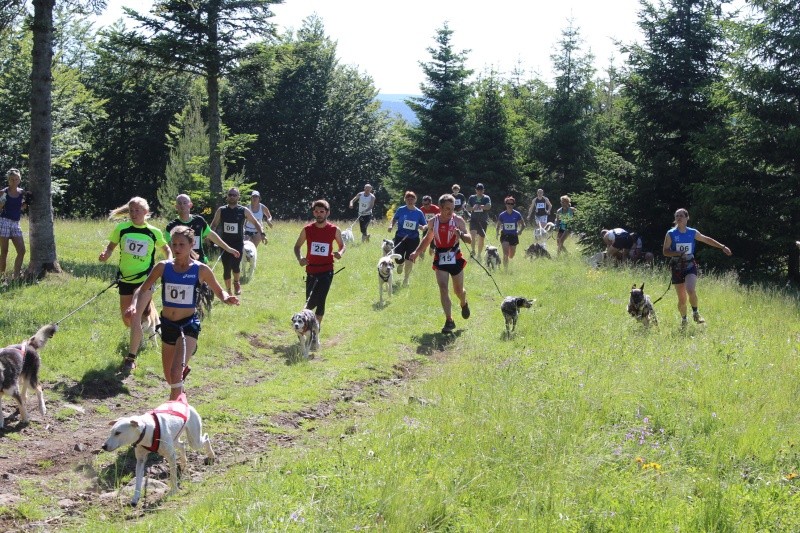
(19, 369)
(640, 307)
(537, 250)
(249, 258)
(386, 274)
(492, 257)
(387, 247)
(158, 431)
(510, 308)
(306, 326)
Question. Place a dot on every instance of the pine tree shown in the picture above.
(436, 152)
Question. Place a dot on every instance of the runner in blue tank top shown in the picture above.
(679, 246)
(510, 224)
(181, 278)
(410, 221)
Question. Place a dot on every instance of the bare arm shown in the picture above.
(217, 217)
(207, 276)
(214, 237)
(712, 242)
(338, 253)
(423, 245)
(267, 214)
(105, 254)
(300, 241)
(462, 228)
(155, 274)
(666, 248)
(167, 251)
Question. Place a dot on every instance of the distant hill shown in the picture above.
(395, 105)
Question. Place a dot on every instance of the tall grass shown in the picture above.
(583, 420)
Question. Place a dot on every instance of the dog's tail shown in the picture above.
(42, 336)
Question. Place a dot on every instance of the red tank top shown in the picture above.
(445, 234)
(319, 247)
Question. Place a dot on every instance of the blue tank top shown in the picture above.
(682, 242)
(178, 288)
(509, 222)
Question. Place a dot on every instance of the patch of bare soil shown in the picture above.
(53, 457)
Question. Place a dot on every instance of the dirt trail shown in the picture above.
(52, 459)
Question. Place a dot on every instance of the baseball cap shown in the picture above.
(255, 193)
(480, 186)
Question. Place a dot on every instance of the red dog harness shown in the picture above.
(179, 408)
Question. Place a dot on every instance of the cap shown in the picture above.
(479, 186)
(255, 193)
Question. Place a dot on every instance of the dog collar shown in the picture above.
(144, 430)
(384, 278)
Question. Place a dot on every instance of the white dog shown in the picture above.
(19, 369)
(158, 431)
(347, 235)
(386, 274)
(542, 233)
(492, 257)
(306, 326)
(249, 258)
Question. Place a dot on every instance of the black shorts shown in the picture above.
(405, 247)
(454, 269)
(512, 240)
(478, 223)
(231, 263)
(171, 331)
(126, 289)
(681, 269)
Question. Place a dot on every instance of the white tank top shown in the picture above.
(259, 215)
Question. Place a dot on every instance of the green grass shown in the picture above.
(583, 421)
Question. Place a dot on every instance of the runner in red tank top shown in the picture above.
(446, 230)
(319, 237)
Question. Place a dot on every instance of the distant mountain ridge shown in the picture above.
(395, 104)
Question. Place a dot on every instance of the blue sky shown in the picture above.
(387, 40)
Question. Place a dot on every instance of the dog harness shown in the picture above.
(179, 408)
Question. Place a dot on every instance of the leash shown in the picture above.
(396, 245)
(472, 256)
(314, 286)
(665, 292)
(90, 300)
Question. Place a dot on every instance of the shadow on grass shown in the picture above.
(428, 343)
(290, 353)
(96, 384)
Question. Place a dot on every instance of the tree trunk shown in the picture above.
(214, 163)
(40, 210)
(212, 87)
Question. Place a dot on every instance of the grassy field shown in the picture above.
(582, 421)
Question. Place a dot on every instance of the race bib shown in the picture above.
(230, 227)
(510, 226)
(684, 248)
(540, 206)
(320, 248)
(458, 202)
(478, 208)
(410, 224)
(196, 243)
(447, 258)
(178, 294)
(137, 247)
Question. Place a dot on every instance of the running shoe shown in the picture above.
(129, 364)
(449, 326)
(465, 311)
(697, 318)
(237, 288)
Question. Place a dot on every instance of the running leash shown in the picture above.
(472, 255)
(90, 300)
(665, 292)
(314, 286)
